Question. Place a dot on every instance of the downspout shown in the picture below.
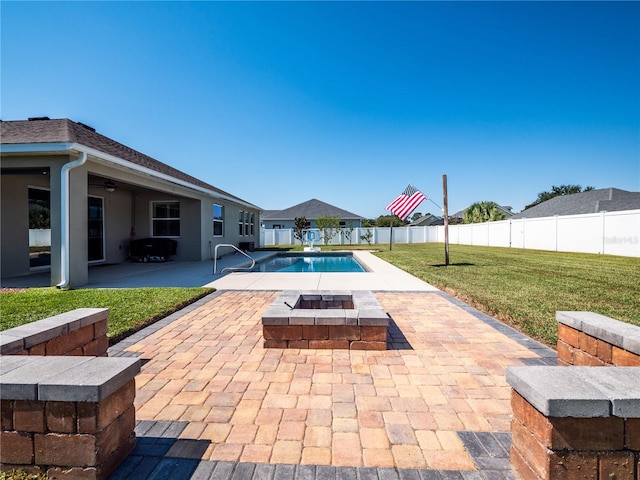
(64, 218)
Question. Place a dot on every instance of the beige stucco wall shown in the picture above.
(231, 230)
(14, 233)
(14, 202)
(78, 225)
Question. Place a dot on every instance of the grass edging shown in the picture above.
(130, 309)
(156, 318)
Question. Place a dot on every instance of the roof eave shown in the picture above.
(112, 159)
(36, 147)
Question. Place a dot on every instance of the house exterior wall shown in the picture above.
(127, 210)
(231, 228)
(190, 241)
(117, 225)
(78, 227)
(14, 222)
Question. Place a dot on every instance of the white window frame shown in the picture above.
(153, 218)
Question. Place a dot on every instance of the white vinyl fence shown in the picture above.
(39, 237)
(611, 233)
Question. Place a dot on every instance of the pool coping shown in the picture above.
(381, 276)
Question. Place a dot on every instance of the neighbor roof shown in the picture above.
(44, 130)
(592, 201)
(427, 219)
(311, 209)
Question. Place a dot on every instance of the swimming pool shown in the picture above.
(310, 262)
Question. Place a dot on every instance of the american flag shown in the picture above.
(406, 202)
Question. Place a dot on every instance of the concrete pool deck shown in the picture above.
(382, 276)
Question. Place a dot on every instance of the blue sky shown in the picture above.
(347, 102)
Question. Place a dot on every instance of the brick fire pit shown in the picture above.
(326, 320)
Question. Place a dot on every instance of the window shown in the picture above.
(39, 228)
(253, 223)
(218, 220)
(246, 223)
(165, 217)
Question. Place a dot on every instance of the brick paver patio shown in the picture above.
(426, 403)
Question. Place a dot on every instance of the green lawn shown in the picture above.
(129, 308)
(525, 288)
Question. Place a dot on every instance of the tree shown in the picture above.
(368, 222)
(483, 212)
(348, 231)
(388, 220)
(39, 218)
(300, 224)
(556, 192)
(415, 216)
(329, 226)
(367, 236)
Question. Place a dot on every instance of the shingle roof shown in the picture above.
(427, 219)
(67, 131)
(311, 209)
(592, 201)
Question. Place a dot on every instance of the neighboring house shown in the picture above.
(427, 220)
(591, 201)
(99, 196)
(311, 210)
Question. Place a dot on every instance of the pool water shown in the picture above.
(318, 263)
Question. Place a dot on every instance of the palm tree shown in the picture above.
(483, 212)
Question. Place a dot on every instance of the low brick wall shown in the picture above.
(352, 337)
(67, 416)
(578, 422)
(80, 332)
(590, 339)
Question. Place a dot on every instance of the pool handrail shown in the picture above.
(215, 258)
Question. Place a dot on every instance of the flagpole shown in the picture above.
(446, 220)
(390, 232)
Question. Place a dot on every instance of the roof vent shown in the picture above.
(91, 129)
(34, 119)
